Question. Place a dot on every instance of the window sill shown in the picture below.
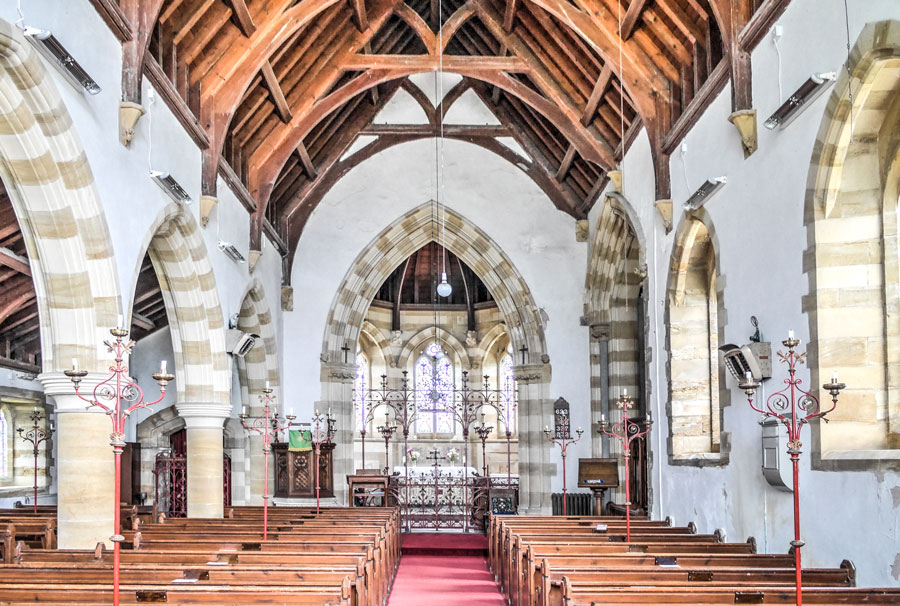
(858, 460)
(700, 459)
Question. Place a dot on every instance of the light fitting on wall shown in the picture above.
(704, 193)
(231, 250)
(52, 50)
(239, 343)
(162, 178)
(814, 86)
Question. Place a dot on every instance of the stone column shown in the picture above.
(205, 452)
(85, 466)
(337, 393)
(535, 411)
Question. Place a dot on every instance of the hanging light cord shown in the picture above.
(621, 95)
(849, 76)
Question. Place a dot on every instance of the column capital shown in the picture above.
(61, 388)
(203, 415)
(532, 373)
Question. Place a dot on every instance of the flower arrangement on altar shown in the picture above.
(413, 454)
(452, 455)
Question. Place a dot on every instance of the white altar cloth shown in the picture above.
(422, 470)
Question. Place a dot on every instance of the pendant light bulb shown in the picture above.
(444, 289)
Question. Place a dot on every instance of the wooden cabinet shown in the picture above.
(295, 476)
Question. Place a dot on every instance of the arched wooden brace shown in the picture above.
(306, 202)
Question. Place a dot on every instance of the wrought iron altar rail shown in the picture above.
(442, 500)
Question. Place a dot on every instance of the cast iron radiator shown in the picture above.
(579, 503)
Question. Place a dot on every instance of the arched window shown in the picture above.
(507, 384)
(360, 389)
(693, 338)
(434, 390)
(4, 445)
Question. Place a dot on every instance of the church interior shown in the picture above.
(482, 302)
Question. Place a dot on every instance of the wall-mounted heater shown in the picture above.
(52, 50)
(233, 253)
(170, 186)
(704, 192)
(814, 86)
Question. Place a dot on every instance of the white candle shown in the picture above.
(120, 321)
(291, 411)
(625, 392)
(748, 375)
(317, 412)
(267, 385)
(603, 418)
(790, 334)
(834, 377)
(74, 363)
(243, 410)
(329, 411)
(649, 416)
(162, 366)
(546, 428)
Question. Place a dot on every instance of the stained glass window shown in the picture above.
(360, 389)
(4, 441)
(434, 390)
(508, 385)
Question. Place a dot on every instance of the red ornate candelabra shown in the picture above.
(36, 435)
(626, 431)
(387, 431)
(794, 407)
(483, 432)
(563, 441)
(266, 425)
(118, 396)
(321, 432)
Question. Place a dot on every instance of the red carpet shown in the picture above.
(444, 544)
(444, 581)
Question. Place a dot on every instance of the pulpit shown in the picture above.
(295, 472)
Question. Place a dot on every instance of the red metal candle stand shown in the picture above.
(266, 425)
(387, 431)
(36, 435)
(483, 432)
(122, 396)
(794, 407)
(564, 442)
(321, 432)
(626, 431)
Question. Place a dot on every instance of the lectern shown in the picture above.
(598, 475)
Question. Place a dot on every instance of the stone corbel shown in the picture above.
(616, 177)
(287, 298)
(582, 230)
(129, 114)
(254, 257)
(665, 211)
(207, 204)
(745, 122)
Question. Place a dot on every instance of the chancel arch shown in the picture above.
(852, 261)
(514, 304)
(696, 321)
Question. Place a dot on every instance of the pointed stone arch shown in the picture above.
(414, 345)
(517, 308)
(851, 217)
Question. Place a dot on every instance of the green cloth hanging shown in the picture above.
(299, 440)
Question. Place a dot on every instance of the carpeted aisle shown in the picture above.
(446, 578)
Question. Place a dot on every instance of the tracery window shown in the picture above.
(434, 391)
(361, 388)
(508, 386)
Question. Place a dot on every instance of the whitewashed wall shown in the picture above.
(758, 219)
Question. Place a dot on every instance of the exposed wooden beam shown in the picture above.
(275, 91)
(632, 16)
(147, 294)
(450, 130)
(359, 14)
(13, 261)
(597, 94)
(423, 63)
(142, 321)
(566, 163)
(141, 14)
(509, 15)
(308, 166)
(242, 17)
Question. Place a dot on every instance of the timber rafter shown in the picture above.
(276, 90)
